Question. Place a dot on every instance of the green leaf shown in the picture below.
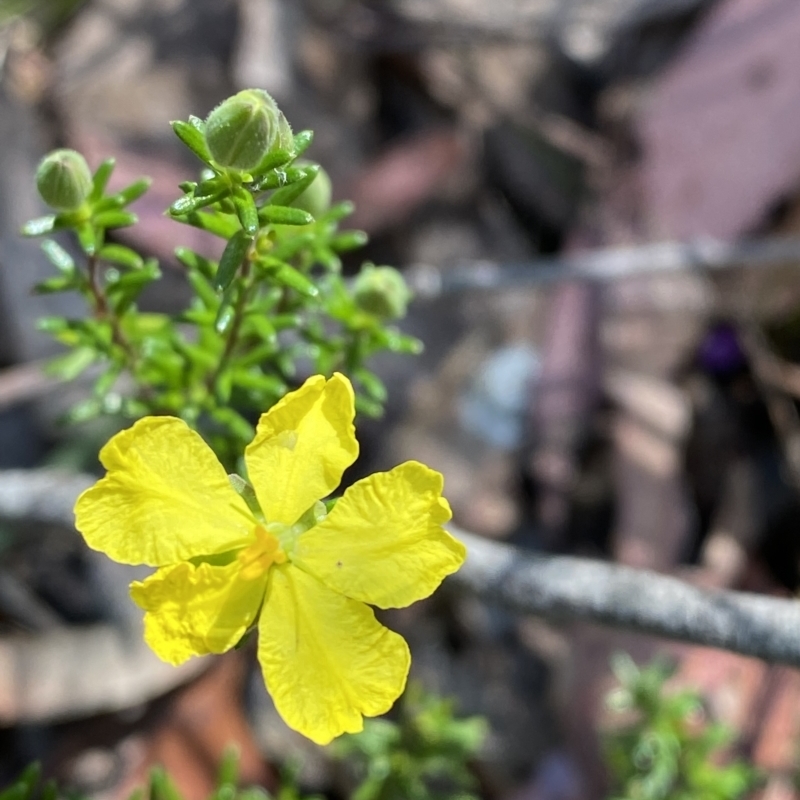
(288, 194)
(349, 240)
(235, 422)
(194, 261)
(222, 225)
(302, 141)
(39, 226)
(224, 318)
(87, 238)
(133, 192)
(273, 159)
(263, 327)
(372, 384)
(232, 258)
(100, 179)
(85, 410)
(255, 379)
(192, 135)
(189, 203)
(281, 177)
(126, 288)
(124, 256)
(246, 210)
(115, 219)
(58, 257)
(289, 276)
(338, 212)
(203, 289)
(61, 283)
(70, 365)
(283, 215)
(106, 381)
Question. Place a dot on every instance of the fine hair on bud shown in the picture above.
(381, 291)
(241, 130)
(64, 179)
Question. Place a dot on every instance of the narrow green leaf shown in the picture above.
(246, 211)
(273, 159)
(367, 407)
(338, 212)
(189, 203)
(349, 240)
(70, 365)
(193, 137)
(235, 422)
(278, 178)
(224, 317)
(372, 384)
(288, 194)
(61, 283)
(106, 381)
(283, 215)
(115, 219)
(124, 256)
(100, 179)
(222, 225)
(51, 324)
(87, 238)
(194, 261)
(85, 410)
(58, 257)
(203, 289)
(289, 276)
(133, 192)
(263, 327)
(302, 141)
(39, 226)
(232, 258)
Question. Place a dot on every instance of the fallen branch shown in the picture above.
(557, 587)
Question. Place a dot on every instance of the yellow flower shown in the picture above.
(302, 575)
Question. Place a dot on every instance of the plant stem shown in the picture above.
(236, 325)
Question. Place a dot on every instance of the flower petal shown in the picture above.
(383, 542)
(326, 659)
(303, 445)
(165, 498)
(196, 610)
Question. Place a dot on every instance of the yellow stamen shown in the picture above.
(261, 555)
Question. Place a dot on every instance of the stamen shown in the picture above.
(261, 555)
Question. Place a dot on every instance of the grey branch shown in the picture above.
(557, 587)
(567, 588)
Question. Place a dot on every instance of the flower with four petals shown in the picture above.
(303, 574)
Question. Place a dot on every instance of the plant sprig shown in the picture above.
(274, 306)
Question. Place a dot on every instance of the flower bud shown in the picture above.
(316, 199)
(64, 179)
(381, 291)
(241, 130)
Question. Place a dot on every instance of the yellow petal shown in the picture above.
(193, 611)
(383, 542)
(327, 661)
(165, 498)
(303, 445)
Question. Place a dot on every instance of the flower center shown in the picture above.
(261, 555)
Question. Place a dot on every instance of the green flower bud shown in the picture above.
(316, 199)
(242, 129)
(64, 179)
(381, 291)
